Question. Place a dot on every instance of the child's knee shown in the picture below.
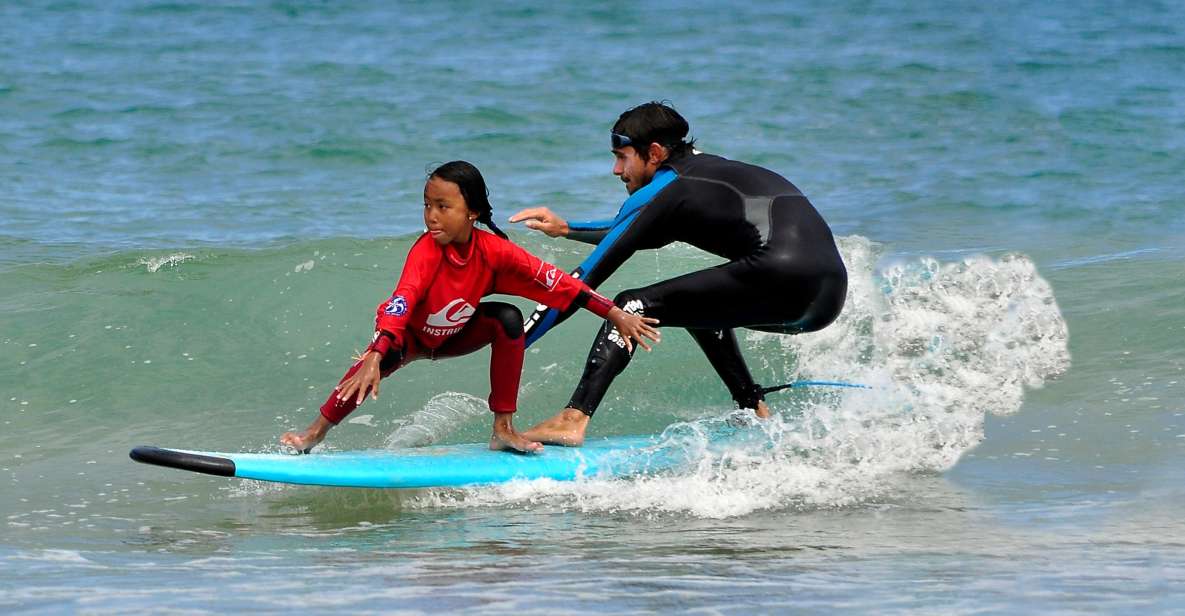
(508, 316)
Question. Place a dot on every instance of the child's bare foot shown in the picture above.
(304, 441)
(762, 410)
(565, 428)
(505, 437)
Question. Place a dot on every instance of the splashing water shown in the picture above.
(439, 416)
(941, 344)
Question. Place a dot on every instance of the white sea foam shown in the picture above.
(154, 264)
(54, 555)
(941, 344)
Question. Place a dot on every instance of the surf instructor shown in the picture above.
(784, 273)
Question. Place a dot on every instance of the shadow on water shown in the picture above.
(327, 509)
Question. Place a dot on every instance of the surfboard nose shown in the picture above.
(183, 460)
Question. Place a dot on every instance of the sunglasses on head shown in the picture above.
(619, 141)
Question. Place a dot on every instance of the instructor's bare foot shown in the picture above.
(505, 437)
(565, 428)
(762, 411)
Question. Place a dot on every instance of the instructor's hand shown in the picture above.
(542, 219)
(632, 326)
(365, 379)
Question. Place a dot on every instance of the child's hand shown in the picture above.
(365, 379)
(632, 326)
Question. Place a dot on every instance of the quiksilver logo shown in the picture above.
(457, 312)
(547, 276)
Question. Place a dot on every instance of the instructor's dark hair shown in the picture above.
(655, 122)
(473, 190)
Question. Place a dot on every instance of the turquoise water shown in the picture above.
(203, 202)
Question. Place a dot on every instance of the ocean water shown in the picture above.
(203, 201)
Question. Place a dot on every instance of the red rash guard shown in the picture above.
(438, 294)
(441, 286)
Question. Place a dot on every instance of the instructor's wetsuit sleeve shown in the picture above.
(392, 316)
(518, 272)
(589, 232)
(648, 228)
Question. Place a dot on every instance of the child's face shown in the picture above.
(446, 216)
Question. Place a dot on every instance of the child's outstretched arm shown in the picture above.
(364, 377)
(531, 277)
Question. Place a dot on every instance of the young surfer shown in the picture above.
(784, 273)
(436, 312)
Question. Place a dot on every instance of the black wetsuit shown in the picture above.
(784, 272)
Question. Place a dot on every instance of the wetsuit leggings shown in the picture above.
(709, 304)
(494, 323)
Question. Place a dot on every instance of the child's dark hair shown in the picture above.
(473, 190)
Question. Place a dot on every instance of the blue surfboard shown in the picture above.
(433, 466)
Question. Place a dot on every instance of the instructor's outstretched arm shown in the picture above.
(542, 219)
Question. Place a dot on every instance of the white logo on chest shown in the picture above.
(457, 312)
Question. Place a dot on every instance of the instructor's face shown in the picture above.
(632, 170)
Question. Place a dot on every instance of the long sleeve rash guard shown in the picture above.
(441, 286)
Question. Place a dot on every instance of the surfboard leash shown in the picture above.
(798, 384)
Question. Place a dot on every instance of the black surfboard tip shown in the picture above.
(183, 460)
